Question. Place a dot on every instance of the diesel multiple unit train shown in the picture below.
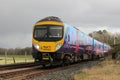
(55, 41)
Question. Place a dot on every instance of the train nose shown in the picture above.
(46, 48)
(50, 46)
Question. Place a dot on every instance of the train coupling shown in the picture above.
(47, 57)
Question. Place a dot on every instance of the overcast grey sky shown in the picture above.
(17, 17)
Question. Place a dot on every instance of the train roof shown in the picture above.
(51, 18)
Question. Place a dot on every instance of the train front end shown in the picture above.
(47, 40)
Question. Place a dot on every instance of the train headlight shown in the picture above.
(37, 46)
(58, 46)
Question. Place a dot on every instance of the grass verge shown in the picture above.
(106, 70)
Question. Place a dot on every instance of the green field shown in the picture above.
(11, 59)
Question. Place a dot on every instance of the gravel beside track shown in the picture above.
(66, 74)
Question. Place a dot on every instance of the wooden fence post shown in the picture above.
(5, 56)
(14, 60)
(25, 56)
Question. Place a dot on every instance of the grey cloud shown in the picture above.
(17, 18)
(15, 40)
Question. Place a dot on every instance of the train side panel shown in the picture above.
(70, 37)
(76, 42)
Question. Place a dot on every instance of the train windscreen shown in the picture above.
(48, 33)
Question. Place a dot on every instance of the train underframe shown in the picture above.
(63, 58)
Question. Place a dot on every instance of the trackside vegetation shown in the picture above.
(106, 70)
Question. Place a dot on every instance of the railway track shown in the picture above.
(31, 72)
(9, 71)
(18, 65)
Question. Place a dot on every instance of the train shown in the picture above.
(54, 41)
